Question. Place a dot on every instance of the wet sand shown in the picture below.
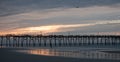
(7, 55)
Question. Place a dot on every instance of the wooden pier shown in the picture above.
(58, 40)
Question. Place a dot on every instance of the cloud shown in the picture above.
(57, 28)
(12, 7)
(58, 16)
(17, 15)
(60, 12)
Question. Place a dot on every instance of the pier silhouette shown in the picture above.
(58, 40)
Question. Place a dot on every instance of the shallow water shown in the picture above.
(83, 53)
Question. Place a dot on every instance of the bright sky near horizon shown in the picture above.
(53, 16)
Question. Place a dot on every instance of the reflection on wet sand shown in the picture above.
(74, 54)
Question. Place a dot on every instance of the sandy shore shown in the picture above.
(6, 55)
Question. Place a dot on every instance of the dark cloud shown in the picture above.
(9, 7)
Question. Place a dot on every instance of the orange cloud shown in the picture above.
(54, 28)
(44, 29)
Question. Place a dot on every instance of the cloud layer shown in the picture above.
(29, 16)
(10, 7)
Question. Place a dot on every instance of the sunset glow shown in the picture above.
(55, 28)
(45, 29)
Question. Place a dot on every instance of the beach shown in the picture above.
(8, 55)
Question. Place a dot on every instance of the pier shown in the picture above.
(58, 40)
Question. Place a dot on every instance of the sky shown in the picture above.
(59, 16)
